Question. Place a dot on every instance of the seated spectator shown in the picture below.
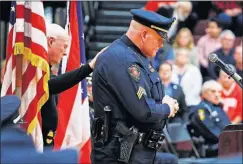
(188, 77)
(225, 53)
(230, 14)
(184, 39)
(181, 11)
(238, 60)
(165, 54)
(208, 44)
(209, 117)
(231, 97)
(174, 91)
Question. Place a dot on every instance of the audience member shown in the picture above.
(231, 97)
(181, 11)
(238, 60)
(208, 44)
(165, 54)
(230, 14)
(225, 53)
(174, 91)
(184, 39)
(188, 77)
(209, 117)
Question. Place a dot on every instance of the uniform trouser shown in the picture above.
(48, 138)
(140, 155)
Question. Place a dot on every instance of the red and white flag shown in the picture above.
(73, 109)
(27, 37)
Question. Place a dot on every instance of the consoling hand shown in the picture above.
(92, 63)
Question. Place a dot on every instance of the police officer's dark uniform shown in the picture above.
(209, 119)
(128, 94)
(17, 147)
(58, 84)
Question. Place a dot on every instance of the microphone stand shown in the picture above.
(231, 74)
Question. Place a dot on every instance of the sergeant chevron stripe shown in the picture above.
(140, 92)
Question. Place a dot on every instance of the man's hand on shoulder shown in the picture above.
(92, 63)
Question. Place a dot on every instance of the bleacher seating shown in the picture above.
(112, 21)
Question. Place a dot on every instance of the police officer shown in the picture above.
(129, 102)
(209, 114)
(57, 45)
(17, 146)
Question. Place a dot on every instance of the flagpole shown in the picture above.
(19, 59)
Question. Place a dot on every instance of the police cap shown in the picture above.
(9, 108)
(153, 20)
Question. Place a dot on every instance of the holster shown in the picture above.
(127, 141)
(97, 129)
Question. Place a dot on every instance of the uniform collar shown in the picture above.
(130, 44)
(138, 54)
(209, 103)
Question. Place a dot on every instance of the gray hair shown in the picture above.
(211, 84)
(227, 32)
(55, 30)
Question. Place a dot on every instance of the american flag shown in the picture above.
(27, 37)
(73, 108)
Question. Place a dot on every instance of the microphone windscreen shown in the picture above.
(213, 57)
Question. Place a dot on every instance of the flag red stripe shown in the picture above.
(35, 20)
(32, 108)
(29, 74)
(64, 112)
(85, 152)
(65, 104)
(35, 48)
(10, 45)
(19, 37)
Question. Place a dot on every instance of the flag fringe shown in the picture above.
(39, 62)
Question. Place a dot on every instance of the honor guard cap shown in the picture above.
(9, 108)
(153, 20)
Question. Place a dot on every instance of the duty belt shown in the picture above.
(151, 139)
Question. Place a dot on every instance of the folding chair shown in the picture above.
(179, 140)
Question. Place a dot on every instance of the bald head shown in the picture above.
(57, 43)
(55, 31)
(145, 38)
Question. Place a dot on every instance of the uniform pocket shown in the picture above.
(156, 89)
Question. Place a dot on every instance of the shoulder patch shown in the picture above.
(141, 92)
(201, 114)
(134, 72)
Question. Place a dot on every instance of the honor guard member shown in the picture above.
(17, 146)
(57, 44)
(129, 102)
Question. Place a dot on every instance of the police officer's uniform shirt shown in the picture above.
(134, 84)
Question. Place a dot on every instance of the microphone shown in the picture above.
(226, 68)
